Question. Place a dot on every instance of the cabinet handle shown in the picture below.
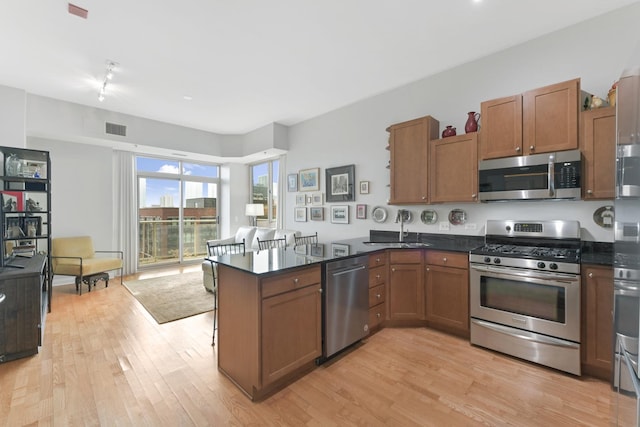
(378, 315)
(517, 149)
(427, 268)
(393, 270)
(378, 276)
(444, 259)
(531, 148)
(589, 191)
(296, 280)
(474, 195)
(377, 259)
(378, 296)
(590, 275)
(424, 197)
(320, 290)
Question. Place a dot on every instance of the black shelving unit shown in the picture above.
(26, 212)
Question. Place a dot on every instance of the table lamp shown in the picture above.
(254, 210)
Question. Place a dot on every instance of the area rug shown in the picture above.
(174, 297)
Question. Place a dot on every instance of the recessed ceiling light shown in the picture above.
(187, 98)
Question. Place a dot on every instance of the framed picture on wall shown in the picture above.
(301, 200)
(292, 182)
(309, 179)
(316, 214)
(301, 214)
(361, 211)
(340, 183)
(340, 214)
(364, 187)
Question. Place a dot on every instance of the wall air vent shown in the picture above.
(78, 11)
(115, 129)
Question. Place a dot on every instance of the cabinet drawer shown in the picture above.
(406, 256)
(379, 258)
(289, 281)
(377, 276)
(448, 259)
(376, 315)
(376, 295)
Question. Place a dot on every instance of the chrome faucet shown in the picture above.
(402, 215)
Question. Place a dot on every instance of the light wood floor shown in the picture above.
(105, 361)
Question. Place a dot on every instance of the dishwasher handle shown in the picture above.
(347, 270)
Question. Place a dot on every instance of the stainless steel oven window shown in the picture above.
(528, 299)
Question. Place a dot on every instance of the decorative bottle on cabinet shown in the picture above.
(472, 122)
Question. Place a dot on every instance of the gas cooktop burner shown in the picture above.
(567, 255)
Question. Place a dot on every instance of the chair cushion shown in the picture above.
(289, 234)
(262, 234)
(71, 267)
(245, 232)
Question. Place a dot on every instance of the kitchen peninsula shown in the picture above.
(270, 303)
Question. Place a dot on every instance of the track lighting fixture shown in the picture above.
(108, 75)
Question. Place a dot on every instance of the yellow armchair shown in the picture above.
(76, 256)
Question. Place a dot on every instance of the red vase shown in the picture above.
(472, 122)
(449, 131)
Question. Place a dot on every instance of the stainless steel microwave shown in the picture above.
(540, 176)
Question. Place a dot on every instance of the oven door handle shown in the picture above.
(622, 287)
(502, 272)
(529, 336)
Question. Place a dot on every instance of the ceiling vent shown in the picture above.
(115, 129)
(78, 11)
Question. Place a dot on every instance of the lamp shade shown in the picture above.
(254, 209)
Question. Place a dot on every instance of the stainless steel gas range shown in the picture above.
(525, 291)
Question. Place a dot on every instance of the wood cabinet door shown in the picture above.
(406, 292)
(453, 169)
(291, 332)
(501, 134)
(598, 145)
(408, 145)
(597, 321)
(550, 118)
(447, 298)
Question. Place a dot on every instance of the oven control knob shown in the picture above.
(496, 260)
(541, 265)
(487, 259)
(553, 266)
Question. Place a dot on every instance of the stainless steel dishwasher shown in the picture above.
(346, 303)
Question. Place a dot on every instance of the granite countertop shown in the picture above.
(600, 253)
(273, 261)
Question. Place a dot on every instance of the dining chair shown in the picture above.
(272, 243)
(311, 239)
(218, 249)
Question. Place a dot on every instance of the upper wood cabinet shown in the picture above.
(598, 146)
(453, 169)
(501, 127)
(409, 149)
(548, 117)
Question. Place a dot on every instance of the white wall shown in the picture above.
(596, 51)
(81, 190)
(12, 117)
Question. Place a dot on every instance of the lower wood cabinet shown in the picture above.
(447, 291)
(291, 331)
(378, 272)
(21, 312)
(406, 289)
(269, 329)
(597, 321)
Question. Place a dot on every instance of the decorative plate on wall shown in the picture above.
(604, 216)
(379, 214)
(428, 217)
(457, 217)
